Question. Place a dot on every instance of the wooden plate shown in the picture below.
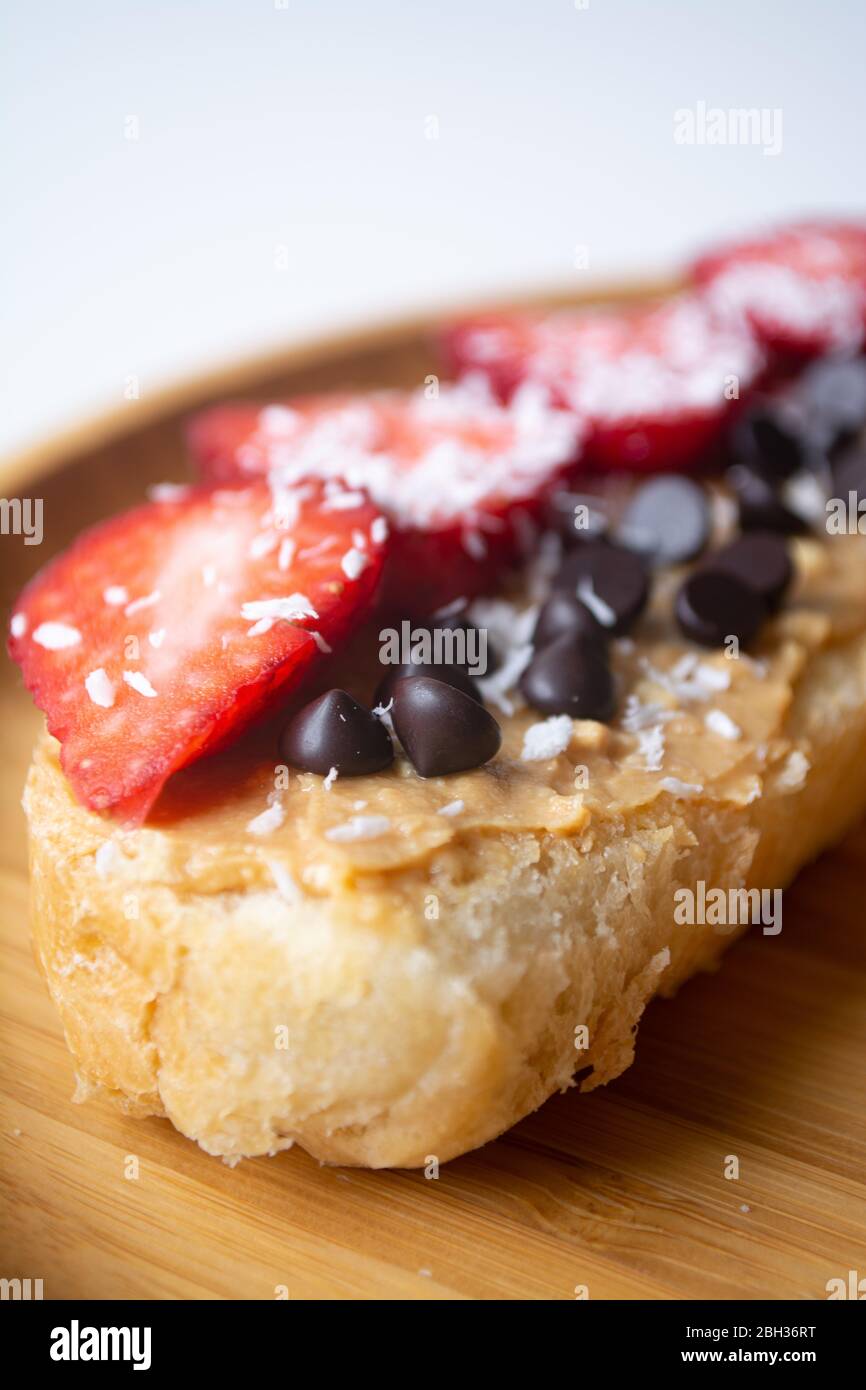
(623, 1191)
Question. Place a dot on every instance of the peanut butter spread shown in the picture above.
(691, 723)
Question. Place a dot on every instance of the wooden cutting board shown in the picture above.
(622, 1191)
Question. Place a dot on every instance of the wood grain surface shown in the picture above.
(622, 1191)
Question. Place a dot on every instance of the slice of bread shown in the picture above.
(409, 987)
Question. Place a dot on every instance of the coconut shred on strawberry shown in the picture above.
(159, 635)
(802, 288)
(655, 384)
(461, 476)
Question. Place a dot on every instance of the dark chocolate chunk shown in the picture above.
(563, 613)
(456, 676)
(442, 729)
(611, 581)
(773, 440)
(833, 391)
(571, 676)
(458, 622)
(578, 517)
(760, 506)
(761, 561)
(667, 520)
(335, 731)
(713, 605)
(849, 474)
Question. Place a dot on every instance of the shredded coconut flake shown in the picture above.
(651, 745)
(284, 882)
(722, 724)
(279, 418)
(510, 630)
(353, 563)
(267, 821)
(473, 543)
(100, 688)
(450, 610)
(18, 625)
(710, 679)
(547, 739)
(804, 495)
(290, 609)
(637, 716)
(138, 681)
(383, 712)
(690, 679)
(137, 604)
(263, 544)
(453, 808)
(379, 530)
(330, 779)
(106, 858)
(794, 771)
(678, 788)
(167, 492)
(359, 828)
(55, 637)
(343, 501)
(601, 611)
(310, 552)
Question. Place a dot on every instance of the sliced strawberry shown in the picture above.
(160, 634)
(458, 474)
(656, 383)
(803, 288)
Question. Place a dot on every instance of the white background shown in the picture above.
(283, 182)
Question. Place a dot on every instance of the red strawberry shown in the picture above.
(656, 383)
(458, 474)
(802, 289)
(159, 635)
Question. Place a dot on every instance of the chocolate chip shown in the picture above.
(456, 676)
(849, 474)
(667, 520)
(761, 561)
(441, 728)
(611, 581)
(458, 622)
(578, 516)
(563, 613)
(713, 605)
(760, 506)
(571, 676)
(834, 394)
(335, 731)
(773, 440)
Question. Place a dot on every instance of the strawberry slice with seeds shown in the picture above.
(802, 289)
(655, 383)
(460, 475)
(159, 635)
